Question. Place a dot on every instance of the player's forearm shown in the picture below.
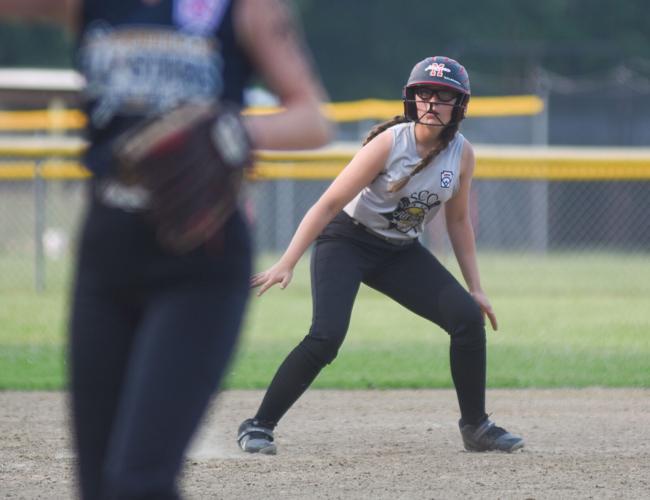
(302, 126)
(461, 235)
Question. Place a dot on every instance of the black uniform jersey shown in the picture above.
(140, 59)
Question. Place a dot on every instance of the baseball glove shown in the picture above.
(192, 161)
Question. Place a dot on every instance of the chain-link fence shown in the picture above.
(39, 220)
(508, 215)
(38, 225)
(527, 207)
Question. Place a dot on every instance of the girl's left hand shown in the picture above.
(277, 273)
(483, 302)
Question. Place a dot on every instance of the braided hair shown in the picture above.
(446, 136)
(378, 129)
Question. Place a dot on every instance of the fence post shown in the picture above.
(539, 189)
(285, 206)
(39, 226)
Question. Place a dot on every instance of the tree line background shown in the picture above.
(565, 49)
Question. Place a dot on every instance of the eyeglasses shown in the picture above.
(443, 95)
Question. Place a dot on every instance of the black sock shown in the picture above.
(292, 379)
(468, 374)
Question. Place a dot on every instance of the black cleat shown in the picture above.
(486, 436)
(252, 437)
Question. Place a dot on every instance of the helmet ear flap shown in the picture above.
(410, 110)
(464, 103)
(460, 111)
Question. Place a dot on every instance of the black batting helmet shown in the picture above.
(438, 71)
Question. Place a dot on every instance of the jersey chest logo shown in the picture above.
(199, 17)
(411, 211)
(446, 178)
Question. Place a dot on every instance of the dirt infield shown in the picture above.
(592, 443)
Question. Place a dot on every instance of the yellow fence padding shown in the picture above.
(514, 163)
(350, 111)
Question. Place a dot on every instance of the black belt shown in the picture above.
(392, 241)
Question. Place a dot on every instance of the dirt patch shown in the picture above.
(592, 443)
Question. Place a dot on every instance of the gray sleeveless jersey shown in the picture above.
(403, 214)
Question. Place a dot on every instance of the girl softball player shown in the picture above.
(366, 228)
(151, 331)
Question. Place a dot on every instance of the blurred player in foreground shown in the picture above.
(162, 276)
(366, 228)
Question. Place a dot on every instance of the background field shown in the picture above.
(381, 445)
(566, 320)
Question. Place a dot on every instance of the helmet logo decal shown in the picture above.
(436, 69)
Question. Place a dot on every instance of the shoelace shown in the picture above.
(259, 435)
(495, 432)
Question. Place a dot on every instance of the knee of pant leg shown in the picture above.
(321, 350)
(462, 318)
(469, 336)
(468, 330)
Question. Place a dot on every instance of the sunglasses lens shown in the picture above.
(443, 95)
(424, 93)
(446, 95)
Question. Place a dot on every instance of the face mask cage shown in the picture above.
(410, 108)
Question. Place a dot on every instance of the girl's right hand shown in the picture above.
(275, 274)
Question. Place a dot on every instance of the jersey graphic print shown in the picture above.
(199, 17)
(131, 71)
(411, 211)
(446, 178)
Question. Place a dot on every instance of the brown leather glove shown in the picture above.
(192, 161)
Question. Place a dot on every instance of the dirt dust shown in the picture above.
(405, 444)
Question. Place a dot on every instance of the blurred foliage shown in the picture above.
(366, 48)
(36, 45)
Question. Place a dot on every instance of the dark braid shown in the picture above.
(378, 129)
(446, 136)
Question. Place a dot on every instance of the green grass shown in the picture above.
(566, 320)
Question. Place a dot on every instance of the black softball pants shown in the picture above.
(346, 255)
(150, 337)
